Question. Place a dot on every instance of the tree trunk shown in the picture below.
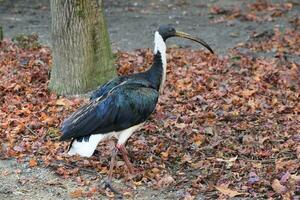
(1, 33)
(82, 57)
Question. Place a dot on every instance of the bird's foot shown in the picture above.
(108, 185)
(135, 175)
(134, 180)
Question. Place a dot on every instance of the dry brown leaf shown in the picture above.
(229, 161)
(277, 187)
(199, 139)
(165, 181)
(127, 194)
(5, 173)
(248, 139)
(109, 194)
(155, 170)
(248, 93)
(180, 125)
(198, 164)
(32, 163)
(76, 193)
(186, 158)
(296, 178)
(63, 102)
(298, 151)
(164, 155)
(225, 190)
(137, 183)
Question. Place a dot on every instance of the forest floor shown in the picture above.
(229, 127)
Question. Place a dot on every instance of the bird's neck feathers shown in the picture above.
(160, 59)
(159, 44)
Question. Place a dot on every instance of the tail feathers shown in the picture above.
(83, 147)
(83, 120)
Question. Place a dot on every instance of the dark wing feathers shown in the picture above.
(79, 121)
(104, 89)
(124, 106)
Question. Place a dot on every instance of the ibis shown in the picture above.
(122, 105)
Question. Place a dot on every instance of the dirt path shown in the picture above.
(20, 182)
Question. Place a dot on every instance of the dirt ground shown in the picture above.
(131, 26)
(20, 182)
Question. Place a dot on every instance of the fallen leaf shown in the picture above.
(186, 158)
(248, 139)
(285, 177)
(5, 173)
(296, 178)
(248, 93)
(277, 187)
(137, 183)
(32, 163)
(180, 125)
(229, 162)
(127, 194)
(165, 181)
(225, 190)
(109, 194)
(253, 178)
(76, 193)
(298, 151)
(164, 155)
(199, 139)
(63, 102)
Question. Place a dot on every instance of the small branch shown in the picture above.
(30, 130)
(272, 160)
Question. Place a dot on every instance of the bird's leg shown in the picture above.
(112, 163)
(124, 152)
(110, 172)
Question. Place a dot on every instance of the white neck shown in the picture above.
(160, 45)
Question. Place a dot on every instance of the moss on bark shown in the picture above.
(82, 57)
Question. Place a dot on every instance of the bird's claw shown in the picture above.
(108, 184)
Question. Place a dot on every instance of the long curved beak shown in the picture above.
(190, 37)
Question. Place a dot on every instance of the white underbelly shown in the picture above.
(87, 148)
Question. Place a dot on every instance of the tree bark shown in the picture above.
(1, 34)
(82, 57)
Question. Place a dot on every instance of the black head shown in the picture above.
(167, 31)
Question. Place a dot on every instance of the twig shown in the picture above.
(265, 161)
(30, 130)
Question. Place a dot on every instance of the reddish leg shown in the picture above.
(124, 153)
(110, 172)
(112, 163)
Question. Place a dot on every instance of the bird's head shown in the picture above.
(168, 31)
